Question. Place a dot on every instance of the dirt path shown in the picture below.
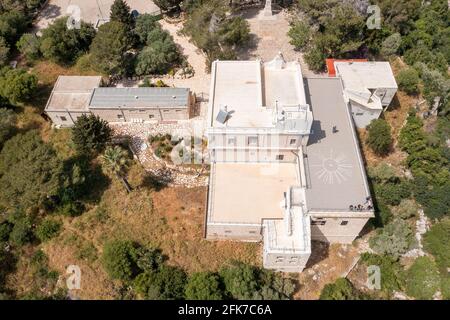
(199, 83)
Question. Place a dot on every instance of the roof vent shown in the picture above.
(174, 97)
(136, 97)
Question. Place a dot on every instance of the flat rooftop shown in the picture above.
(283, 86)
(335, 174)
(249, 192)
(250, 92)
(139, 97)
(366, 75)
(72, 93)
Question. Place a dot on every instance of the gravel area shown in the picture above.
(171, 174)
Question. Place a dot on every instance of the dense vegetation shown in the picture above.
(152, 278)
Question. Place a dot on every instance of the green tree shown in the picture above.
(168, 5)
(17, 85)
(90, 134)
(422, 280)
(119, 259)
(300, 35)
(437, 242)
(394, 239)
(203, 286)
(22, 230)
(241, 280)
(341, 289)
(48, 229)
(234, 32)
(7, 124)
(120, 12)
(4, 52)
(379, 136)
(145, 23)
(408, 81)
(115, 159)
(159, 55)
(30, 171)
(163, 284)
(12, 24)
(63, 45)
(29, 46)
(109, 47)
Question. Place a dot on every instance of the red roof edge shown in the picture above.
(330, 64)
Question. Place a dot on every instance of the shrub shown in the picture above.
(422, 280)
(203, 286)
(408, 80)
(394, 239)
(391, 45)
(383, 173)
(392, 193)
(341, 289)
(145, 23)
(48, 229)
(406, 209)
(392, 273)
(437, 242)
(379, 136)
(119, 259)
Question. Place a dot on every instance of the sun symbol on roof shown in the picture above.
(333, 169)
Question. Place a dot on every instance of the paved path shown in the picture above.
(199, 83)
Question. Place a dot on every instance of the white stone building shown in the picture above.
(369, 88)
(285, 163)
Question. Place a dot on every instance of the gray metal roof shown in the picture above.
(335, 173)
(139, 97)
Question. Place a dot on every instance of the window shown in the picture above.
(166, 110)
(252, 232)
(359, 113)
(151, 116)
(279, 259)
(63, 118)
(318, 222)
(252, 141)
(232, 140)
(119, 116)
(227, 231)
(293, 141)
(344, 223)
(141, 110)
(293, 260)
(178, 110)
(280, 156)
